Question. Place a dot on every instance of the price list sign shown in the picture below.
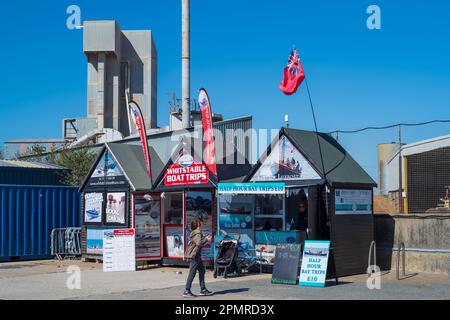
(119, 250)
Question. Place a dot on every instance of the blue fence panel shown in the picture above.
(28, 214)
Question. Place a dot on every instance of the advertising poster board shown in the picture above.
(94, 241)
(285, 162)
(119, 250)
(148, 228)
(107, 173)
(267, 241)
(353, 201)
(287, 258)
(235, 210)
(235, 221)
(314, 263)
(199, 205)
(115, 207)
(93, 208)
(174, 241)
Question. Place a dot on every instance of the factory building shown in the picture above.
(119, 61)
(425, 175)
(122, 65)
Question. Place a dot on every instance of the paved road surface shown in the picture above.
(48, 280)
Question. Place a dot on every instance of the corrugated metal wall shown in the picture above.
(28, 214)
(238, 132)
(31, 176)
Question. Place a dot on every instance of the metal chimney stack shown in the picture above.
(186, 63)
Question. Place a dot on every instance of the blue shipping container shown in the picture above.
(28, 214)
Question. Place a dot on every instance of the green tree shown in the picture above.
(78, 161)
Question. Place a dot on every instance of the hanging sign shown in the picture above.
(186, 172)
(251, 188)
(314, 263)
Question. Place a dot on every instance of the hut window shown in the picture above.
(269, 213)
(173, 208)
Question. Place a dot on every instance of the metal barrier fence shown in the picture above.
(66, 243)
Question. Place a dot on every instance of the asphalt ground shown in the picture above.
(50, 280)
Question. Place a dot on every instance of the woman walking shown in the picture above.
(194, 254)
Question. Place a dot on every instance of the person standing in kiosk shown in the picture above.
(301, 221)
(194, 254)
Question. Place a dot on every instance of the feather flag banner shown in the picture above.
(210, 150)
(138, 120)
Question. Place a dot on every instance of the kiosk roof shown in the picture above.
(339, 165)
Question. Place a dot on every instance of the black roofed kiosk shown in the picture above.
(332, 201)
(288, 196)
(117, 195)
(188, 191)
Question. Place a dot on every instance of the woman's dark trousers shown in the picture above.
(196, 264)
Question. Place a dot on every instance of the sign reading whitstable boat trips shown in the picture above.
(186, 172)
(314, 263)
(251, 188)
(119, 250)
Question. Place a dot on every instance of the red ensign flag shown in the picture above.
(293, 74)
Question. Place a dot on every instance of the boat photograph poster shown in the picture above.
(199, 206)
(174, 241)
(148, 228)
(285, 162)
(93, 207)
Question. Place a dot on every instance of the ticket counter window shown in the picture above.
(269, 213)
(297, 209)
(173, 208)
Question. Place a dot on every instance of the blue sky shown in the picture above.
(357, 77)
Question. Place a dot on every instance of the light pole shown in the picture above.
(400, 175)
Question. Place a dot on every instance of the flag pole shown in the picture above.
(317, 132)
(323, 166)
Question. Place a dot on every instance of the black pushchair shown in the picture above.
(227, 257)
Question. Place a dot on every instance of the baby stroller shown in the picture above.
(227, 257)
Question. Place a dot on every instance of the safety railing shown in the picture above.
(372, 253)
(66, 243)
(401, 251)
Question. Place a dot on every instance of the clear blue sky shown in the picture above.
(358, 77)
